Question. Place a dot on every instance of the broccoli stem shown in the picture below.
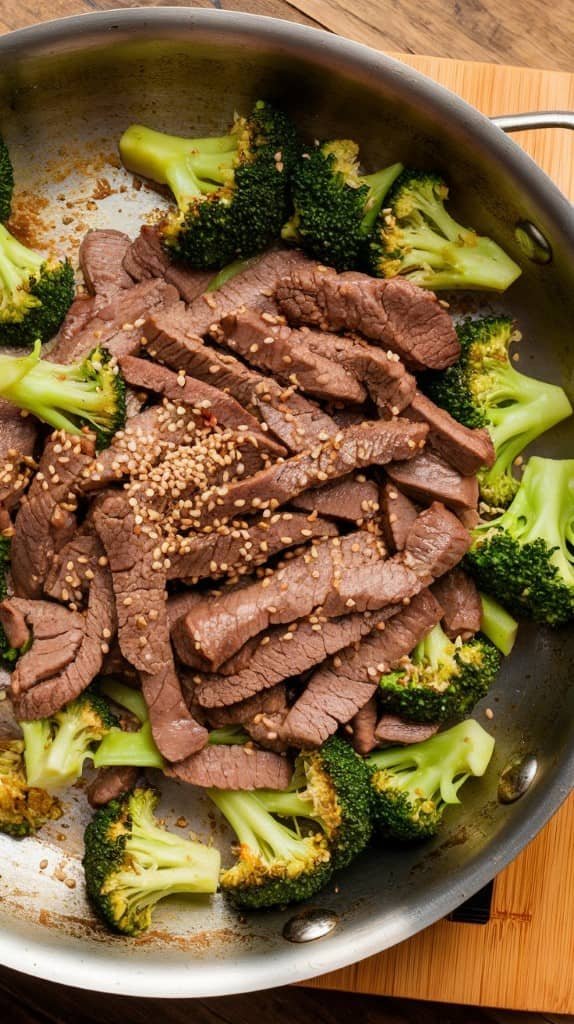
(17, 262)
(189, 863)
(229, 735)
(175, 161)
(286, 804)
(379, 184)
(435, 648)
(37, 739)
(254, 826)
(498, 624)
(231, 270)
(468, 260)
(129, 748)
(126, 697)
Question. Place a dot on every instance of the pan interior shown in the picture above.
(63, 106)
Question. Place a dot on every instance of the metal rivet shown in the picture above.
(517, 777)
(310, 924)
(533, 243)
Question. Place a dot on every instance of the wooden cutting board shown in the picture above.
(523, 959)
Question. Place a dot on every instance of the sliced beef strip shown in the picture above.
(392, 729)
(375, 443)
(466, 450)
(266, 730)
(253, 289)
(398, 516)
(342, 685)
(178, 605)
(82, 310)
(56, 634)
(351, 499)
(267, 701)
(291, 417)
(101, 257)
(99, 628)
(139, 588)
(117, 326)
(394, 313)
(214, 630)
(435, 543)
(233, 767)
(242, 546)
(460, 601)
(219, 407)
(428, 478)
(282, 654)
(111, 783)
(18, 436)
(363, 726)
(266, 342)
(146, 257)
(9, 726)
(68, 578)
(46, 519)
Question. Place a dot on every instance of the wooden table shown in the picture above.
(479, 30)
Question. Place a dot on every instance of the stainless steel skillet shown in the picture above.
(67, 89)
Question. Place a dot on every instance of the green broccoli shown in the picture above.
(6, 181)
(483, 389)
(232, 193)
(331, 789)
(415, 236)
(275, 865)
(497, 624)
(411, 785)
(56, 747)
(23, 808)
(335, 206)
(227, 273)
(120, 747)
(35, 292)
(442, 679)
(68, 397)
(525, 557)
(131, 862)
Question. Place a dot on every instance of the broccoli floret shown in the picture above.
(331, 789)
(68, 397)
(35, 292)
(275, 864)
(232, 193)
(131, 862)
(23, 808)
(483, 389)
(416, 237)
(56, 747)
(497, 624)
(411, 785)
(442, 679)
(335, 205)
(6, 181)
(525, 557)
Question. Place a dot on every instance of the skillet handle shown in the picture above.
(539, 119)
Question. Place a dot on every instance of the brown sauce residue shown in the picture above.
(28, 220)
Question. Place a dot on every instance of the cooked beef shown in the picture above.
(217, 406)
(352, 499)
(266, 730)
(139, 578)
(466, 450)
(292, 418)
(82, 310)
(363, 727)
(17, 440)
(267, 342)
(101, 256)
(118, 325)
(253, 288)
(460, 601)
(110, 784)
(9, 727)
(469, 517)
(13, 621)
(428, 478)
(242, 546)
(375, 443)
(146, 257)
(281, 654)
(46, 519)
(98, 629)
(68, 578)
(178, 605)
(56, 633)
(392, 729)
(394, 313)
(234, 767)
(390, 386)
(265, 702)
(398, 515)
(436, 542)
(344, 683)
(214, 630)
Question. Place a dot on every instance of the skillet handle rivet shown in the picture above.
(311, 924)
(534, 245)
(517, 777)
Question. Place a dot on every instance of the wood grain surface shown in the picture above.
(524, 957)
